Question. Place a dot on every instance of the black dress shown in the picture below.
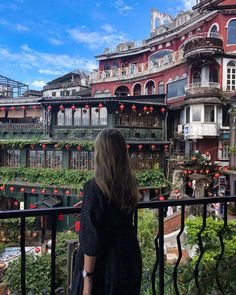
(107, 233)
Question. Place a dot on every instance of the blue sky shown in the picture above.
(43, 39)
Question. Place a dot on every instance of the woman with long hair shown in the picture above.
(109, 260)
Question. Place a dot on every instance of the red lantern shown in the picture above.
(163, 110)
(22, 190)
(73, 108)
(194, 158)
(23, 107)
(207, 154)
(161, 198)
(207, 171)
(201, 171)
(140, 147)
(3, 108)
(55, 191)
(67, 146)
(37, 250)
(226, 168)
(133, 108)
(100, 106)
(43, 191)
(190, 183)
(33, 190)
(153, 147)
(217, 175)
(190, 171)
(67, 193)
(77, 226)
(32, 206)
(49, 108)
(128, 146)
(177, 191)
(122, 107)
(195, 171)
(12, 108)
(145, 108)
(56, 145)
(151, 109)
(78, 147)
(44, 146)
(34, 107)
(86, 106)
(32, 146)
(185, 171)
(62, 108)
(81, 193)
(60, 217)
(11, 189)
(1, 188)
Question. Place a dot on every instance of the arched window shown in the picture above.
(232, 32)
(214, 75)
(161, 87)
(150, 88)
(122, 91)
(137, 89)
(196, 77)
(231, 75)
(115, 66)
(214, 29)
(107, 67)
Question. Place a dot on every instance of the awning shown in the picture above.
(34, 113)
(48, 202)
(16, 114)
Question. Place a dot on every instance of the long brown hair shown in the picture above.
(113, 171)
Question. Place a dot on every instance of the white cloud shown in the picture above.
(96, 39)
(122, 6)
(51, 72)
(38, 84)
(56, 41)
(188, 4)
(22, 28)
(14, 27)
(108, 28)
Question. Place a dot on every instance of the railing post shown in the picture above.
(161, 251)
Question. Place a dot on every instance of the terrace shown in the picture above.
(166, 277)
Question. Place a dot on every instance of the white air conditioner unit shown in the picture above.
(180, 129)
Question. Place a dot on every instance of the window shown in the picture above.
(132, 68)
(225, 117)
(12, 158)
(68, 116)
(62, 93)
(54, 159)
(77, 117)
(94, 116)
(137, 89)
(176, 88)
(209, 114)
(67, 93)
(54, 93)
(150, 88)
(196, 113)
(232, 32)
(103, 116)
(214, 76)
(187, 115)
(115, 66)
(107, 67)
(85, 117)
(161, 87)
(73, 92)
(196, 77)
(231, 76)
(37, 159)
(213, 31)
(60, 118)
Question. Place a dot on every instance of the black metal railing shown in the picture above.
(158, 272)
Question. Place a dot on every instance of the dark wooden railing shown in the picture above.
(159, 266)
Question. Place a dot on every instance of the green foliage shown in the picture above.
(152, 178)
(232, 150)
(37, 274)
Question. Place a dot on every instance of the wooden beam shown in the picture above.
(222, 7)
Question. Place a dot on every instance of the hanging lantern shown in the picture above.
(153, 147)
(207, 154)
(217, 175)
(11, 189)
(55, 191)
(12, 108)
(84, 111)
(161, 198)
(77, 226)
(32, 146)
(22, 189)
(62, 108)
(145, 109)
(3, 108)
(201, 171)
(81, 193)
(226, 168)
(151, 109)
(1, 188)
(128, 146)
(43, 191)
(185, 171)
(163, 110)
(140, 147)
(86, 106)
(37, 250)
(60, 217)
(133, 108)
(194, 158)
(176, 190)
(49, 108)
(34, 107)
(23, 108)
(33, 190)
(190, 183)
(67, 193)
(122, 107)
(32, 206)
(207, 171)
(67, 146)
(100, 106)
(190, 171)
(78, 147)
(73, 108)
(195, 171)
(44, 146)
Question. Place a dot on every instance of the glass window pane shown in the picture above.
(85, 117)
(103, 116)
(209, 114)
(232, 32)
(196, 113)
(94, 116)
(60, 118)
(187, 114)
(77, 117)
(68, 117)
(83, 160)
(175, 89)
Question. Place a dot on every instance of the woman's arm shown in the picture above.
(89, 266)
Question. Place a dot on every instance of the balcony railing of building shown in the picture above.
(203, 43)
(159, 276)
(208, 88)
(121, 48)
(23, 128)
(138, 70)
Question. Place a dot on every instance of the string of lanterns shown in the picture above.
(13, 108)
(145, 108)
(73, 107)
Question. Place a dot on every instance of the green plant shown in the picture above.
(154, 178)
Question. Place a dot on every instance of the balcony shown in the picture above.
(202, 89)
(198, 130)
(26, 130)
(169, 271)
(138, 70)
(203, 45)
